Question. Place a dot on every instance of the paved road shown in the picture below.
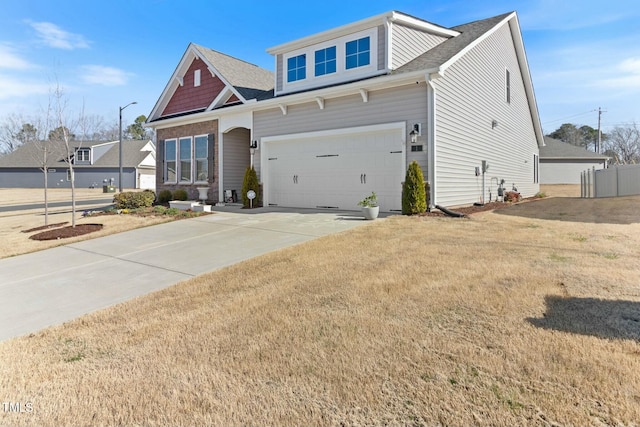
(50, 287)
(9, 208)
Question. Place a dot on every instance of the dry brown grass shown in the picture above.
(501, 319)
(13, 223)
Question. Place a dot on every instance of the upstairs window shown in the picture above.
(196, 78)
(297, 68)
(325, 61)
(82, 155)
(358, 53)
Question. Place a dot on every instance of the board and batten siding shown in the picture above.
(470, 95)
(408, 43)
(236, 158)
(405, 103)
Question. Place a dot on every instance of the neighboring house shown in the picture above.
(563, 163)
(348, 109)
(93, 163)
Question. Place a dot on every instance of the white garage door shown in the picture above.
(336, 169)
(147, 182)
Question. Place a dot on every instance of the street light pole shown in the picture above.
(120, 146)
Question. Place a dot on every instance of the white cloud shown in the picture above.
(106, 76)
(54, 36)
(11, 87)
(627, 75)
(10, 60)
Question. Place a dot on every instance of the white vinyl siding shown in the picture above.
(405, 103)
(566, 171)
(408, 44)
(236, 158)
(469, 97)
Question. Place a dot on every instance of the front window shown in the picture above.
(170, 160)
(326, 61)
(297, 68)
(358, 53)
(185, 160)
(202, 162)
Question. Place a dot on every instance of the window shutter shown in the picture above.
(211, 155)
(160, 153)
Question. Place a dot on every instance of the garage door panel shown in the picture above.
(337, 170)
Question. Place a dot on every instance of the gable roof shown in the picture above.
(557, 149)
(27, 155)
(244, 80)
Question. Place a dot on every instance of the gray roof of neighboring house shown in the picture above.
(28, 155)
(440, 54)
(248, 79)
(556, 149)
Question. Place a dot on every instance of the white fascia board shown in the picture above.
(419, 24)
(330, 34)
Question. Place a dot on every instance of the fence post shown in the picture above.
(595, 182)
(582, 184)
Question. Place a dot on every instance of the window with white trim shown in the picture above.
(82, 155)
(170, 160)
(358, 53)
(201, 158)
(185, 160)
(196, 78)
(297, 68)
(325, 61)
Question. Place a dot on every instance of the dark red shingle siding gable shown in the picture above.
(189, 98)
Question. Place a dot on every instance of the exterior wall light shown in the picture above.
(415, 132)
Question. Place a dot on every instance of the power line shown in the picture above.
(569, 117)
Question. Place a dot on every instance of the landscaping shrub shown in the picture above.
(180, 194)
(414, 199)
(250, 183)
(134, 200)
(164, 196)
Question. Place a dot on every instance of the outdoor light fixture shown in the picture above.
(120, 146)
(494, 124)
(415, 132)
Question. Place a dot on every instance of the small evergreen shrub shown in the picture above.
(134, 200)
(414, 199)
(172, 211)
(159, 209)
(164, 196)
(180, 194)
(250, 182)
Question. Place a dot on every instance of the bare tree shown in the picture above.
(13, 132)
(624, 144)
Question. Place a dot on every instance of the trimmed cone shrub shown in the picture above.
(414, 199)
(250, 183)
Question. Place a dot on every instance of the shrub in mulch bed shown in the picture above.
(66, 232)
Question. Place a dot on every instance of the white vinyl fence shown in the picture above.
(615, 181)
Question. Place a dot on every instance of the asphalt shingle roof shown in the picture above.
(554, 149)
(248, 79)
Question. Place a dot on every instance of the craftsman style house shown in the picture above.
(348, 109)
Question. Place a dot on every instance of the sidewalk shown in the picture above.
(56, 285)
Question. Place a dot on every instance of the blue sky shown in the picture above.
(105, 54)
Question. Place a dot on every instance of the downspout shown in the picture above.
(431, 136)
(220, 165)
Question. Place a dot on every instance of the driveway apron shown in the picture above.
(56, 285)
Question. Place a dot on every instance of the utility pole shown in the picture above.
(598, 145)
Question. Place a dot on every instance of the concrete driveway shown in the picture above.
(56, 285)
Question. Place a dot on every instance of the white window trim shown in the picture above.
(179, 166)
(196, 78)
(194, 159)
(165, 171)
(342, 73)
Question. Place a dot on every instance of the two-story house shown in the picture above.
(348, 109)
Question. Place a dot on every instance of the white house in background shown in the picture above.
(348, 109)
(562, 163)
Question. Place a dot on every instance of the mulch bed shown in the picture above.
(469, 210)
(66, 232)
(45, 227)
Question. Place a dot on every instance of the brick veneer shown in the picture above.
(201, 128)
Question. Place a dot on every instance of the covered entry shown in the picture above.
(336, 168)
